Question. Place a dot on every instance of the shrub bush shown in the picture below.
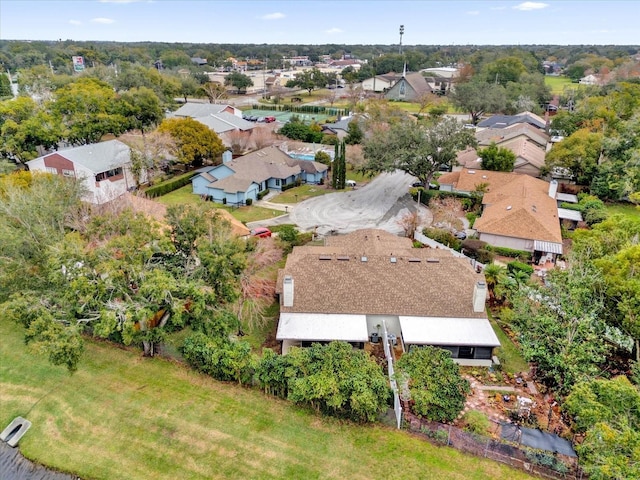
(249, 202)
(476, 422)
(510, 252)
(513, 267)
(170, 186)
(443, 236)
(472, 217)
(263, 194)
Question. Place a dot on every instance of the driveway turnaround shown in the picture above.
(379, 204)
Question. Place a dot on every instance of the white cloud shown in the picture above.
(331, 31)
(103, 21)
(527, 6)
(473, 12)
(75, 22)
(273, 16)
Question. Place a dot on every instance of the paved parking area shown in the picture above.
(379, 204)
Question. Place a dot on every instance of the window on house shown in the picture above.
(68, 173)
(108, 174)
(465, 352)
(277, 182)
(53, 170)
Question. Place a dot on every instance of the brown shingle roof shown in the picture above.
(499, 135)
(335, 279)
(526, 152)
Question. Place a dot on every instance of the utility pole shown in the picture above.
(401, 33)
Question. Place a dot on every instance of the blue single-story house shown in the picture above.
(236, 181)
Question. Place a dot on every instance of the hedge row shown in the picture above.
(510, 252)
(170, 186)
(333, 112)
(263, 194)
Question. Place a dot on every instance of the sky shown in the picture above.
(348, 22)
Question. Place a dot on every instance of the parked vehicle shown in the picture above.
(261, 232)
(269, 119)
(350, 183)
(260, 120)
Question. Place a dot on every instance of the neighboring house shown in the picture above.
(503, 121)
(199, 61)
(467, 159)
(412, 86)
(529, 157)
(380, 83)
(104, 168)
(339, 128)
(222, 119)
(517, 130)
(348, 288)
(519, 211)
(443, 72)
(236, 181)
(590, 80)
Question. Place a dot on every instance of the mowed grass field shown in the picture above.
(558, 84)
(121, 416)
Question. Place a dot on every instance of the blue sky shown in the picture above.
(482, 22)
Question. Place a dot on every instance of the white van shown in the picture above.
(350, 183)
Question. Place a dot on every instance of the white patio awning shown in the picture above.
(549, 247)
(448, 331)
(322, 327)
(567, 214)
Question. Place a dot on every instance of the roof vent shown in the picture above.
(325, 257)
(471, 172)
(484, 176)
(363, 259)
(343, 257)
(393, 260)
(509, 207)
(433, 260)
(414, 260)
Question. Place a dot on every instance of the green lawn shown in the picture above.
(121, 416)
(244, 214)
(625, 209)
(298, 194)
(558, 84)
(512, 361)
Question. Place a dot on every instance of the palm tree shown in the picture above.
(492, 274)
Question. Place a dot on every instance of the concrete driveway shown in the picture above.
(379, 204)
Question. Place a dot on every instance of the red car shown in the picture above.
(269, 119)
(261, 232)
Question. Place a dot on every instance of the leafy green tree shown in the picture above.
(355, 135)
(323, 157)
(579, 154)
(498, 159)
(195, 142)
(608, 411)
(560, 327)
(5, 87)
(477, 98)
(238, 80)
(141, 106)
(417, 150)
(337, 380)
(295, 129)
(505, 70)
(308, 80)
(88, 108)
(437, 389)
(575, 72)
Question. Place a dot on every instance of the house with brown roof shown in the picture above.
(529, 157)
(517, 130)
(353, 285)
(237, 180)
(519, 211)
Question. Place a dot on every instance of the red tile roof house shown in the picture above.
(348, 288)
(519, 211)
(104, 168)
(238, 180)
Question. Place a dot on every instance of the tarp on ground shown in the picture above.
(537, 439)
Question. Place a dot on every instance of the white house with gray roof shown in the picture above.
(219, 118)
(103, 167)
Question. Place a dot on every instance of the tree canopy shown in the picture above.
(309, 80)
(415, 149)
(438, 391)
(478, 97)
(238, 80)
(195, 142)
(496, 158)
